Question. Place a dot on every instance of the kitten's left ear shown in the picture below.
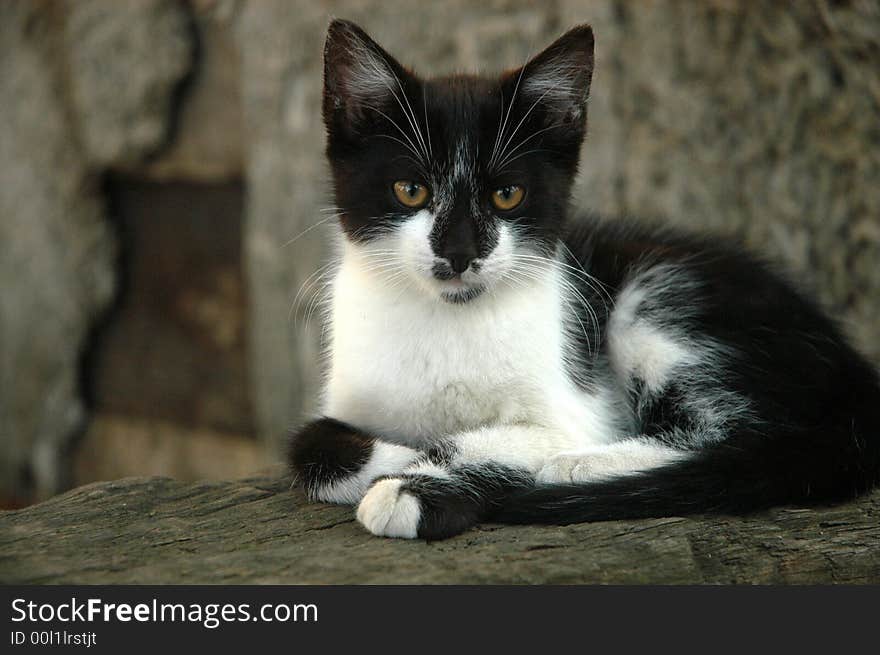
(559, 77)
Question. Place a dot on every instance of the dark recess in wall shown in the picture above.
(174, 347)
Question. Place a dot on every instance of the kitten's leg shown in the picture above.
(607, 461)
(336, 462)
(459, 482)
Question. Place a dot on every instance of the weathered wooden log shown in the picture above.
(157, 530)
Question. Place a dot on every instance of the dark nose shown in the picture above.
(459, 261)
(457, 239)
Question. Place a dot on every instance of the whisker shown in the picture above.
(595, 284)
(412, 146)
(506, 162)
(601, 286)
(522, 120)
(508, 153)
(507, 116)
(525, 263)
(305, 288)
(427, 127)
(309, 229)
(410, 116)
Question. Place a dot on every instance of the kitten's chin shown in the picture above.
(462, 295)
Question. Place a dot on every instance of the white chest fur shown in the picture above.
(414, 369)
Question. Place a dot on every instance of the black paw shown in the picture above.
(326, 451)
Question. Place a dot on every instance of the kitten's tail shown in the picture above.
(748, 473)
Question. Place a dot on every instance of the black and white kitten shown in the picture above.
(489, 360)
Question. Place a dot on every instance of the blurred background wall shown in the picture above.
(157, 158)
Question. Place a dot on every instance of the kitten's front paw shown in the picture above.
(567, 468)
(388, 511)
(326, 456)
(336, 462)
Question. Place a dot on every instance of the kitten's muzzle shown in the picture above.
(458, 286)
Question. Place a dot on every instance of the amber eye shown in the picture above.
(411, 194)
(507, 197)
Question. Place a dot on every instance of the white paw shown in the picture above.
(569, 468)
(388, 512)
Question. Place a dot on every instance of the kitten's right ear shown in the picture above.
(358, 75)
(558, 78)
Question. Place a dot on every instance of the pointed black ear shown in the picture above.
(358, 75)
(559, 78)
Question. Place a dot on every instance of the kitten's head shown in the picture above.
(455, 184)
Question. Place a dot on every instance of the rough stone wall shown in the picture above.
(123, 60)
(757, 118)
(55, 257)
(760, 119)
(83, 86)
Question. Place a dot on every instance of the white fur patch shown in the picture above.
(387, 512)
(605, 462)
(516, 446)
(414, 369)
(653, 347)
(639, 348)
(386, 459)
(413, 248)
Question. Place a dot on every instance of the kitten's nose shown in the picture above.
(459, 262)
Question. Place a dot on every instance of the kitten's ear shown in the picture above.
(358, 75)
(558, 79)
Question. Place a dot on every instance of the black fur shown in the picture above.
(366, 154)
(325, 451)
(470, 495)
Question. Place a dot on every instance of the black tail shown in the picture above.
(748, 473)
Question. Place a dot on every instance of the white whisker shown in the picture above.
(503, 127)
(522, 120)
(309, 229)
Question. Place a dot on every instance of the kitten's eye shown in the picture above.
(411, 194)
(508, 197)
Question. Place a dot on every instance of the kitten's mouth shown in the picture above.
(457, 288)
